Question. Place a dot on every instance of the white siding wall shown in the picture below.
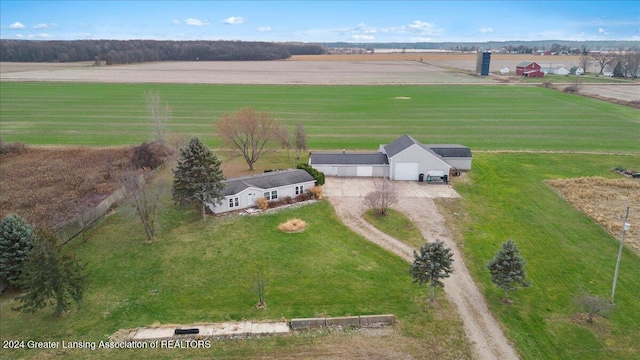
(426, 161)
(254, 193)
(459, 163)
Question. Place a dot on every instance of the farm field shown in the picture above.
(335, 117)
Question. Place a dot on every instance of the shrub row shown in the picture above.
(319, 176)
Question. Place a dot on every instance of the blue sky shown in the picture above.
(322, 21)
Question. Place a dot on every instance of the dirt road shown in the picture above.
(481, 328)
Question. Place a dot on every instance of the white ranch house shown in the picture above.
(404, 159)
(243, 192)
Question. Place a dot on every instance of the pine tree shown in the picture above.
(198, 178)
(433, 263)
(16, 238)
(618, 70)
(507, 269)
(51, 277)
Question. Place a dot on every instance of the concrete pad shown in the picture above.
(376, 320)
(344, 321)
(299, 324)
(154, 333)
(258, 328)
(360, 187)
(232, 328)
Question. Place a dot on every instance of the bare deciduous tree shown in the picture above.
(160, 114)
(144, 199)
(249, 132)
(593, 305)
(584, 62)
(283, 138)
(381, 200)
(301, 140)
(603, 59)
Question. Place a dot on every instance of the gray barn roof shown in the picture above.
(266, 181)
(399, 145)
(449, 150)
(372, 158)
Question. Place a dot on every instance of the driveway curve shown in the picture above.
(415, 200)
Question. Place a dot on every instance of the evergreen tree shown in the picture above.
(618, 70)
(198, 178)
(433, 263)
(51, 277)
(16, 237)
(507, 269)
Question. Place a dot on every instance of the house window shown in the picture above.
(274, 194)
(233, 202)
(267, 195)
(299, 190)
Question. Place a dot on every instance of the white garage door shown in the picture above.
(365, 171)
(406, 171)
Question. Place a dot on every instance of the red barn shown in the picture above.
(529, 69)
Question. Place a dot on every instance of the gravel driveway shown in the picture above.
(416, 202)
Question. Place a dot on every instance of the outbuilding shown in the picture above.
(404, 159)
(528, 67)
(243, 192)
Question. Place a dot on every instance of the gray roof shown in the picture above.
(342, 158)
(265, 181)
(399, 145)
(449, 150)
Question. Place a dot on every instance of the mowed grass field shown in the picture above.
(335, 117)
(504, 196)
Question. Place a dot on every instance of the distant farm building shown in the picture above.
(529, 69)
(556, 69)
(505, 70)
(482, 62)
(576, 70)
(404, 159)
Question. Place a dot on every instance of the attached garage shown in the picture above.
(404, 159)
(406, 171)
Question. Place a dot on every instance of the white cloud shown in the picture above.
(635, 38)
(44, 26)
(263, 29)
(16, 26)
(19, 36)
(196, 22)
(175, 22)
(603, 31)
(234, 20)
(362, 37)
(485, 30)
(40, 36)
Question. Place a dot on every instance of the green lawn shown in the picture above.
(397, 225)
(203, 271)
(335, 117)
(565, 251)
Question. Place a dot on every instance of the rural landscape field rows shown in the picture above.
(520, 135)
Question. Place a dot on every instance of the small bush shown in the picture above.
(293, 225)
(8, 148)
(547, 84)
(304, 197)
(150, 155)
(262, 203)
(316, 191)
(288, 200)
(571, 89)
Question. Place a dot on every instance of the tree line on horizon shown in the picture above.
(113, 52)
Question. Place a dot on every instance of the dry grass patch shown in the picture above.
(605, 201)
(293, 226)
(47, 185)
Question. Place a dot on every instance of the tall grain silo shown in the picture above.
(482, 62)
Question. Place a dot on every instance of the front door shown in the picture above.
(251, 199)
